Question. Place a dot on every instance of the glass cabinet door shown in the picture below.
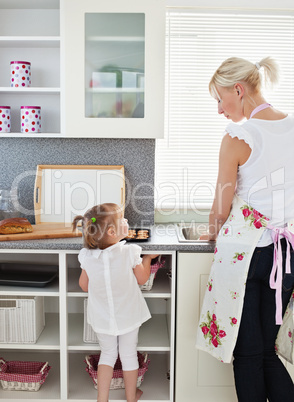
(114, 65)
(114, 68)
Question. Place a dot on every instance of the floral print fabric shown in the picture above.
(223, 301)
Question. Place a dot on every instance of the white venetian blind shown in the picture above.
(196, 44)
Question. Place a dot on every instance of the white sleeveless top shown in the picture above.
(266, 180)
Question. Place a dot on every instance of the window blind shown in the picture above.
(196, 44)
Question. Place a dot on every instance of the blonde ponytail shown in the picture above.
(236, 69)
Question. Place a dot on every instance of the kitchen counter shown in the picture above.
(163, 237)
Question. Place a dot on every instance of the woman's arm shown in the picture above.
(84, 281)
(142, 271)
(233, 152)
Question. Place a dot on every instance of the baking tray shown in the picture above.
(20, 274)
(135, 239)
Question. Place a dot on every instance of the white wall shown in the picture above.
(239, 4)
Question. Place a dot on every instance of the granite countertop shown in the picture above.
(163, 237)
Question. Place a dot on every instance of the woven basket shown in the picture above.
(160, 262)
(117, 378)
(22, 318)
(23, 376)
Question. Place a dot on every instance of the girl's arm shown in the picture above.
(142, 271)
(233, 152)
(84, 281)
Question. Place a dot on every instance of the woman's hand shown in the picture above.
(204, 237)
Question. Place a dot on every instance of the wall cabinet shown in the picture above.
(199, 376)
(30, 31)
(61, 342)
(114, 61)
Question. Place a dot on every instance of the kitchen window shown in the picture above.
(196, 44)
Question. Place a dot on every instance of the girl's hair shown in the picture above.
(96, 222)
(235, 70)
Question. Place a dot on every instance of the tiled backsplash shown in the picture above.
(20, 157)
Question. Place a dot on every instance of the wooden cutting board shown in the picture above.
(43, 231)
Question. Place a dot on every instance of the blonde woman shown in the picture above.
(252, 277)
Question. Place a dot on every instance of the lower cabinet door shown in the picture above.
(199, 376)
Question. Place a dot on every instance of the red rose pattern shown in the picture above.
(211, 330)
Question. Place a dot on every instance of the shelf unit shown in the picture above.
(61, 342)
(31, 31)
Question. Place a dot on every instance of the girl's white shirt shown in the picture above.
(116, 305)
(266, 180)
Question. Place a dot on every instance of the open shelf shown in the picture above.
(29, 41)
(153, 334)
(49, 338)
(50, 290)
(29, 90)
(155, 386)
(160, 289)
(49, 390)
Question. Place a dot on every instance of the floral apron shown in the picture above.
(223, 302)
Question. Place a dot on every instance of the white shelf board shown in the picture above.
(30, 90)
(30, 41)
(50, 290)
(48, 340)
(51, 387)
(115, 39)
(31, 4)
(161, 286)
(115, 90)
(153, 334)
(155, 385)
(32, 135)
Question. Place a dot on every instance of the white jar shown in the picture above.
(5, 122)
(30, 117)
(20, 74)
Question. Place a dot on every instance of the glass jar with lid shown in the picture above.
(8, 204)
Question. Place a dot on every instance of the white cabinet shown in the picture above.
(114, 68)
(30, 31)
(199, 376)
(61, 342)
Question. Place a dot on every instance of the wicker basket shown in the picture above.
(117, 378)
(89, 336)
(160, 262)
(22, 318)
(22, 376)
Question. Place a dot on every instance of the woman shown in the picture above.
(249, 287)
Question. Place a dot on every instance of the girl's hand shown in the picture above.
(152, 256)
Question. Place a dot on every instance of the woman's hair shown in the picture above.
(235, 70)
(96, 222)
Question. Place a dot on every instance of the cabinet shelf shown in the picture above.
(161, 285)
(115, 39)
(48, 340)
(29, 41)
(50, 390)
(50, 290)
(153, 334)
(155, 386)
(115, 90)
(30, 90)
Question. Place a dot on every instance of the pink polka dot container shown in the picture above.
(30, 119)
(20, 74)
(5, 122)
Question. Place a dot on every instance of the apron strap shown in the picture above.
(276, 276)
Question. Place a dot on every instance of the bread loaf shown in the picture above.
(15, 225)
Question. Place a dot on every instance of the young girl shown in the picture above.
(111, 272)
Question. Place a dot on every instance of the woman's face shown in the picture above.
(229, 103)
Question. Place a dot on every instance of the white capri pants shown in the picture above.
(124, 345)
